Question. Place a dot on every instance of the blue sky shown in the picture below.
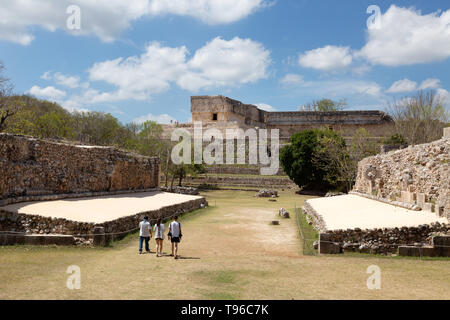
(143, 59)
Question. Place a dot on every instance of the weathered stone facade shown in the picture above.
(224, 113)
(417, 176)
(33, 167)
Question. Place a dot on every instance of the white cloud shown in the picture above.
(430, 84)
(209, 11)
(407, 85)
(344, 88)
(138, 77)
(223, 63)
(50, 93)
(62, 80)
(407, 37)
(404, 85)
(291, 79)
(444, 95)
(219, 63)
(106, 19)
(328, 58)
(265, 107)
(162, 118)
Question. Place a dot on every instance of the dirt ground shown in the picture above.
(229, 251)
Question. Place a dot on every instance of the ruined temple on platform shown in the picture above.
(224, 113)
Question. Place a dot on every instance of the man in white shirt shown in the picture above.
(145, 233)
(175, 236)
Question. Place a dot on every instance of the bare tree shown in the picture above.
(420, 118)
(8, 107)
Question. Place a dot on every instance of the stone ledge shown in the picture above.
(36, 239)
(426, 251)
(318, 222)
(386, 240)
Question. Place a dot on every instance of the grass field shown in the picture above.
(229, 251)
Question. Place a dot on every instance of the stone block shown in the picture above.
(328, 247)
(441, 241)
(47, 239)
(99, 236)
(427, 206)
(405, 196)
(447, 132)
(426, 251)
(409, 251)
(37, 239)
(421, 199)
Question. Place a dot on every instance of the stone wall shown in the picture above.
(381, 241)
(377, 123)
(241, 182)
(416, 176)
(33, 167)
(231, 169)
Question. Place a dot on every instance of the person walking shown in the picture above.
(145, 233)
(175, 236)
(159, 229)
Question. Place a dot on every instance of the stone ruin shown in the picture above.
(42, 170)
(416, 178)
(32, 167)
(222, 113)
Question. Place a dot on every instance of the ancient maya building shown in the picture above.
(224, 113)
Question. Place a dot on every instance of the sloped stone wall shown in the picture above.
(418, 176)
(34, 167)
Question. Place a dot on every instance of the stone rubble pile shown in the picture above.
(284, 213)
(266, 193)
(181, 190)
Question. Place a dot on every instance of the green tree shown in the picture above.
(297, 159)
(97, 128)
(149, 139)
(54, 125)
(395, 139)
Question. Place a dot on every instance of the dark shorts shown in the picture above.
(175, 239)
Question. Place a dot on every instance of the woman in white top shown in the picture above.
(159, 236)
